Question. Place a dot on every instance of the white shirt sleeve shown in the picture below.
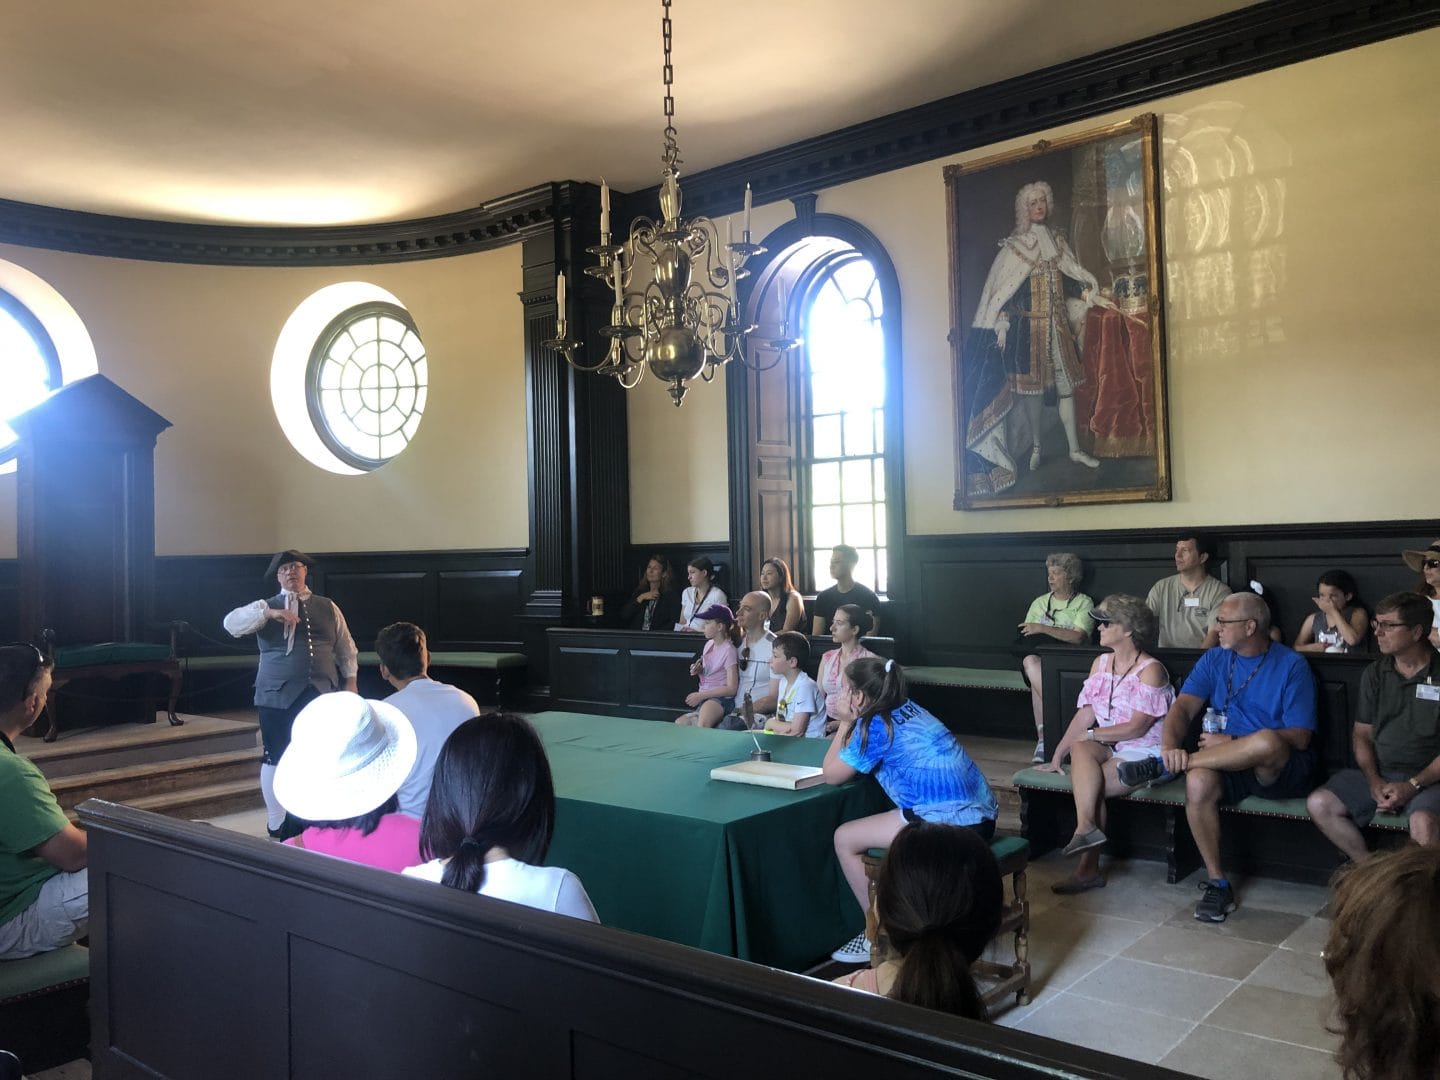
(573, 900)
(247, 619)
(347, 657)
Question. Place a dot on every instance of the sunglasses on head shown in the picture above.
(39, 656)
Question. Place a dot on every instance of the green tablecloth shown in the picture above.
(664, 850)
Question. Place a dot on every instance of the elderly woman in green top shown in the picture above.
(1062, 614)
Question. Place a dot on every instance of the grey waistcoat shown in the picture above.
(281, 679)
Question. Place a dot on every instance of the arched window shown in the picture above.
(817, 430)
(29, 366)
(843, 454)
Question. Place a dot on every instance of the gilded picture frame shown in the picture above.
(1057, 331)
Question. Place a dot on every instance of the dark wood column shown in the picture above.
(86, 505)
(578, 453)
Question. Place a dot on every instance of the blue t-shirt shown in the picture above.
(1272, 690)
(923, 768)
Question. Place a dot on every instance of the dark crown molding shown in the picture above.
(1245, 42)
(493, 224)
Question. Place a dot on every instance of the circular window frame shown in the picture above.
(17, 309)
(320, 356)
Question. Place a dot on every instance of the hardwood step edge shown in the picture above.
(149, 769)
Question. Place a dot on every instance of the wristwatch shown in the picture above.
(1415, 783)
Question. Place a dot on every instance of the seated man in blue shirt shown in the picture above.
(1263, 697)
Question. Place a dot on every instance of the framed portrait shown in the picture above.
(1057, 322)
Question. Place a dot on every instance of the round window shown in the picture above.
(366, 384)
(29, 366)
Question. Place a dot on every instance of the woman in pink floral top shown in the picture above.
(1121, 707)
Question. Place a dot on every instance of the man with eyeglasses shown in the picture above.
(44, 890)
(1185, 601)
(1396, 737)
(1256, 738)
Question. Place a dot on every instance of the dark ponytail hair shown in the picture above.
(492, 788)
(882, 684)
(939, 899)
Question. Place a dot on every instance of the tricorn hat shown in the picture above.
(289, 555)
(1416, 559)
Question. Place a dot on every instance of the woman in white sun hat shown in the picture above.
(341, 774)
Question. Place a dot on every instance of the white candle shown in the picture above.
(604, 208)
(747, 211)
(619, 289)
(560, 302)
(731, 262)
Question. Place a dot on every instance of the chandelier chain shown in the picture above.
(671, 153)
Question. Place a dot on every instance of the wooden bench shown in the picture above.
(43, 1017)
(1013, 855)
(993, 702)
(505, 671)
(217, 954)
(1273, 837)
(1167, 801)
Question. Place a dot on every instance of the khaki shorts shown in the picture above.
(59, 915)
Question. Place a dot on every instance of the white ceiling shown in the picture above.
(344, 111)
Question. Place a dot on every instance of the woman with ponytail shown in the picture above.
(491, 816)
(939, 899)
(916, 759)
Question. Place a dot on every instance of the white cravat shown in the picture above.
(292, 603)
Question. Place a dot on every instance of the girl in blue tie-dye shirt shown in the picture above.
(918, 762)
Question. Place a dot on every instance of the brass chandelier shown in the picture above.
(679, 313)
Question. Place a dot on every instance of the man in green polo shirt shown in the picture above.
(44, 891)
(1396, 735)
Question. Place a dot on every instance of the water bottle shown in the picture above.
(1213, 723)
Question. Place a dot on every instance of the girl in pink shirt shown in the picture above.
(718, 669)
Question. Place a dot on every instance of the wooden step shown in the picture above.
(133, 744)
(153, 779)
(200, 803)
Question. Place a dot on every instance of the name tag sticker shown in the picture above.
(1192, 601)
(1428, 692)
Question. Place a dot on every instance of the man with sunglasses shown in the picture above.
(1261, 718)
(1396, 737)
(756, 645)
(44, 890)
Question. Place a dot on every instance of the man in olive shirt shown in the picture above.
(1396, 736)
(44, 891)
(1186, 601)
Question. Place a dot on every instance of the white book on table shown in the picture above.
(774, 774)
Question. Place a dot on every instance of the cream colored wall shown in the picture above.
(1299, 364)
(195, 344)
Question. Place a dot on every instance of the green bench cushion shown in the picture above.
(485, 660)
(109, 652)
(1173, 793)
(48, 971)
(966, 678)
(488, 661)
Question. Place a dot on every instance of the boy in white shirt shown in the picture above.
(799, 701)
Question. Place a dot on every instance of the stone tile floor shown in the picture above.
(1128, 970)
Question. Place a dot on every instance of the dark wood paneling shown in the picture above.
(315, 962)
(462, 599)
(9, 599)
(971, 591)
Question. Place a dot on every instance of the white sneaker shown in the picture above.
(1039, 757)
(854, 951)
